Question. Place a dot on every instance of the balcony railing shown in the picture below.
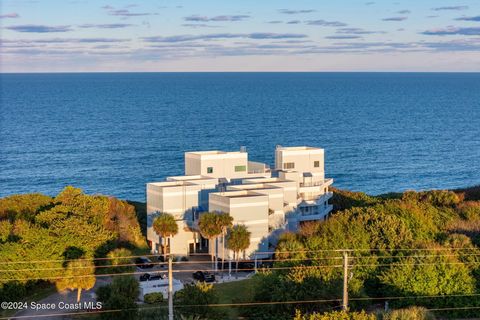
(316, 183)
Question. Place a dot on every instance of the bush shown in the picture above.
(121, 294)
(470, 210)
(440, 198)
(412, 313)
(199, 296)
(337, 315)
(154, 297)
(120, 260)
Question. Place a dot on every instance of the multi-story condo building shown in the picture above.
(267, 201)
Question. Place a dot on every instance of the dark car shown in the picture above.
(144, 263)
(151, 277)
(203, 276)
(246, 265)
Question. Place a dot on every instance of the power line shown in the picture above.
(160, 271)
(271, 260)
(164, 263)
(222, 305)
(257, 253)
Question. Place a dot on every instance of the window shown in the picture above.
(209, 169)
(289, 165)
(316, 164)
(240, 168)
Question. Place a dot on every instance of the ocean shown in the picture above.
(110, 133)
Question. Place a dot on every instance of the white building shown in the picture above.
(267, 201)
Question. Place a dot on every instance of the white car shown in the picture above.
(159, 285)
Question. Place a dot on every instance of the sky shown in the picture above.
(246, 35)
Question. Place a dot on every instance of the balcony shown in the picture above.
(316, 198)
(321, 214)
(325, 182)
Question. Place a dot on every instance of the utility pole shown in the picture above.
(170, 288)
(345, 281)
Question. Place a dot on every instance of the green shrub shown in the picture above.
(470, 210)
(441, 198)
(412, 313)
(154, 297)
(337, 315)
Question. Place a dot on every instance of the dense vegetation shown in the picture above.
(41, 235)
(413, 245)
(408, 249)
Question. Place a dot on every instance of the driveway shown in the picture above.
(182, 271)
(57, 303)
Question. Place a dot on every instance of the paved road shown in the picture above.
(62, 298)
(181, 270)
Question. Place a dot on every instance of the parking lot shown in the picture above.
(183, 270)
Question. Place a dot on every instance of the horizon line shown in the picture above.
(83, 72)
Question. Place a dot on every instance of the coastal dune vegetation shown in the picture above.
(405, 249)
(414, 254)
(41, 237)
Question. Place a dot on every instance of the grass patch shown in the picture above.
(235, 292)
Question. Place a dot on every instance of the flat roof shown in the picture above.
(213, 152)
(238, 194)
(297, 148)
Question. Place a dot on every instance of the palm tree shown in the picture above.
(79, 274)
(238, 240)
(210, 228)
(165, 227)
(226, 221)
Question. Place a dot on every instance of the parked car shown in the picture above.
(204, 276)
(144, 263)
(151, 277)
(245, 265)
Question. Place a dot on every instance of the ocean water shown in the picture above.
(111, 133)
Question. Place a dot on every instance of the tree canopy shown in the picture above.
(78, 275)
(165, 225)
(411, 245)
(55, 230)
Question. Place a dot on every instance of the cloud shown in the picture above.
(404, 12)
(106, 26)
(275, 21)
(198, 25)
(345, 36)
(10, 15)
(257, 35)
(476, 18)
(266, 35)
(356, 31)
(199, 18)
(39, 28)
(395, 19)
(294, 22)
(473, 31)
(326, 23)
(66, 40)
(289, 11)
(125, 12)
(450, 8)
(455, 45)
